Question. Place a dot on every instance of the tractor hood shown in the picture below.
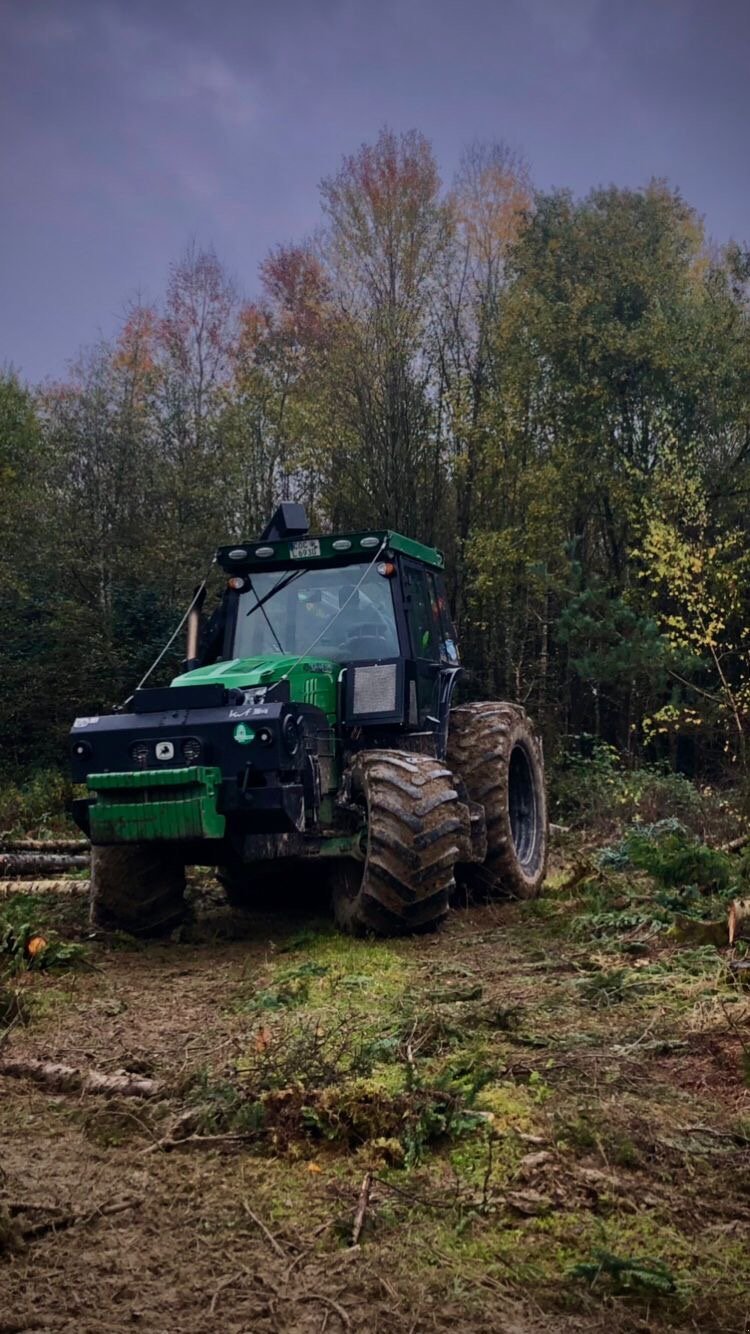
(311, 680)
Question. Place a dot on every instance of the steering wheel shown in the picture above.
(369, 630)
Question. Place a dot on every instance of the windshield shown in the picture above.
(318, 610)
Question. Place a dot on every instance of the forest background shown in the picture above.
(554, 391)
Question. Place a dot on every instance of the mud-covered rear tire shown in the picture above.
(138, 888)
(495, 750)
(414, 831)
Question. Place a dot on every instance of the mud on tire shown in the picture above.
(495, 750)
(414, 830)
(140, 889)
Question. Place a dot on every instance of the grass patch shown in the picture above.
(37, 806)
(28, 943)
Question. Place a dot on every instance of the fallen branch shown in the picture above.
(225, 1283)
(67, 1079)
(736, 1137)
(361, 1214)
(169, 1143)
(325, 1301)
(270, 1238)
(37, 1230)
(10, 887)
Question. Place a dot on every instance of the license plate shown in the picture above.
(298, 550)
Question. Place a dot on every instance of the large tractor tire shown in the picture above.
(413, 839)
(138, 888)
(496, 752)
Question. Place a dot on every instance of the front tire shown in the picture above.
(414, 833)
(139, 888)
(495, 750)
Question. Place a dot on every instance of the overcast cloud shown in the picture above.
(129, 128)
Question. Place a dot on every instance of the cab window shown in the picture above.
(421, 612)
(442, 617)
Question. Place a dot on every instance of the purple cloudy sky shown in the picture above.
(131, 126)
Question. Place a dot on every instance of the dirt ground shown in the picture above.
(557, 1135)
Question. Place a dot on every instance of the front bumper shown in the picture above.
(172, 804)
(184, 805)
(254, 773)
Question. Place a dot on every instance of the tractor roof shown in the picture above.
(319, 549)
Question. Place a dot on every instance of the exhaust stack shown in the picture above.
(193, 633)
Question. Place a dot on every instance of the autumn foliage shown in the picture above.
(553, 390)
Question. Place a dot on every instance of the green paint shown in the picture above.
(343, 845)
(312, 681)
(328, 555)
(155, 804)
(244, 734)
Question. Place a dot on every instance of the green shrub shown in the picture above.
(676, 859)
(36, 805)
(25, 944)
(627, 1274)
(592, 787)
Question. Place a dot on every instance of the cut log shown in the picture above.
(362, 1204)
(10, 887)
(20, 864)
(736, 844)
(71, 845)
(739, 920)
(67, 1079)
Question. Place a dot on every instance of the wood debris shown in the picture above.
(67, 1079)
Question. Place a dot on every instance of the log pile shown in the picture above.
(38, 865)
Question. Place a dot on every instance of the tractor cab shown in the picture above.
(368, 609)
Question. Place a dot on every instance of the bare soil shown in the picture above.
(616, 1127)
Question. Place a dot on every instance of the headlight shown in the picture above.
(140, 754)
(191, 749)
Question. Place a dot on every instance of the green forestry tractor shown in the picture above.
(311, 729)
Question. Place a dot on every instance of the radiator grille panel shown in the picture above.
(375, 689)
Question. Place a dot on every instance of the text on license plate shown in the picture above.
(300, 549)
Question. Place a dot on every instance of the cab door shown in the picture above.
(423, 619)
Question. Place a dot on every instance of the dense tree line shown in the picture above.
(554, 391)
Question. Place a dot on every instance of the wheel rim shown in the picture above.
(523, 810)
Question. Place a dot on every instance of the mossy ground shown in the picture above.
(554, 1111)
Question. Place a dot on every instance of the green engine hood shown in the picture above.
(311, 681)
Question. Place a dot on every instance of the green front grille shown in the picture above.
(155, 804)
